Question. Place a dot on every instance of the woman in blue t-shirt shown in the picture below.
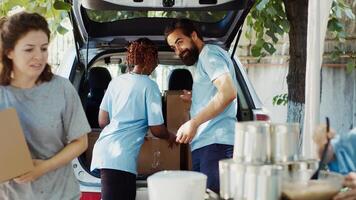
(131, 105)
(341, 157)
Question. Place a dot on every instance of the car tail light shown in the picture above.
(90, 196)
(262, 117)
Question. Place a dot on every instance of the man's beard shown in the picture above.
(190, 56)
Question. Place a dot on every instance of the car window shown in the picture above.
(110, 15)
(162, 72)
(160, 75)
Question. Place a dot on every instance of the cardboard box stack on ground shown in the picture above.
(15, 156)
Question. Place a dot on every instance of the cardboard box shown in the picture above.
(177, 110)
(15, 156)
(155, 155)
(177, 114)
(92, 137)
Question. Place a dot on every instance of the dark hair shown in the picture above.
(140, 52)
(183, 24)
(12, 29)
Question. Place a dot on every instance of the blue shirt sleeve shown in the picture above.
(345, 154)
(154, 106)
(214, 63)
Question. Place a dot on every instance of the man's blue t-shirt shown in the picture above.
(213, 62)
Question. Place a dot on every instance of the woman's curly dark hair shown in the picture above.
(142, 52)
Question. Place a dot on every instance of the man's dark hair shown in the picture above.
(186, 25)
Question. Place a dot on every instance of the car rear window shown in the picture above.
(102, 16)
(160, 75)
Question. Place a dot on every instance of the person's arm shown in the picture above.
(320, 138)
(66, 155)
(103, 118)
(162, 132)
(226, 93)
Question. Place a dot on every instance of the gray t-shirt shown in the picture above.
(51, 116)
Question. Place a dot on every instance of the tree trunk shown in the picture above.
(297, 14)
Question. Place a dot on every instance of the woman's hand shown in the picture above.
(350, 182)
(186, 96)
(39, 170)
(65, 156)
(348, 195)
(321, 137)
(172, 140)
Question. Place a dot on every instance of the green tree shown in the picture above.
(271, 19)
(55, 11)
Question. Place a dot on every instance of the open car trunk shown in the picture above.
(112, 23)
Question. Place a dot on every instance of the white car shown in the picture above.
(102, 30)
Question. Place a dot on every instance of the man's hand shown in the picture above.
(39, 170)
(186, 132)
(186, 96)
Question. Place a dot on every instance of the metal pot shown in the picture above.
(242, 181)
(252, 142)
(284, 142)
(296, 183)
(296, 171)
(227, 177)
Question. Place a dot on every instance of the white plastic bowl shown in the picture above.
(176, 185)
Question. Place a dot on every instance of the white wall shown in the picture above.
(269, 82)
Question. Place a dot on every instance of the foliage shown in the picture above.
(53, 10)
(281, 99)
(267, 21)
(339, 11)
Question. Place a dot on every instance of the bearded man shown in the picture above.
(211, 129)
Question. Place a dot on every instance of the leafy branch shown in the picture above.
(341, 11)
(281, 99)
(267, 21)
(55, 11)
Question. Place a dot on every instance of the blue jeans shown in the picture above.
(206, 160)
